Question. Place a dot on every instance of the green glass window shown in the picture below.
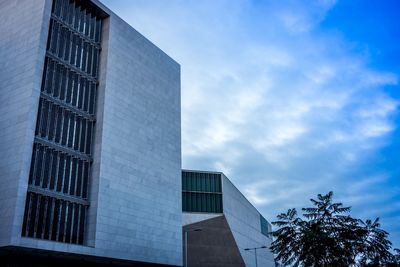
(201, 192)
(264, 226)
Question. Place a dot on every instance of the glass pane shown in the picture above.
(189, 181)
(70, 86)
(41, 213)
(86, 97)
(81, 92)
(61, 164)
(77, 132)
(67, 45)
(95, 59)
(74, 89)
(67, 174)
(82, 144)
(79, 52)
(57, 80)
(68, 224)
(61, 44)
(92, 99)
(49, 213)
(89, 137)
(89, 59)
(183, 201)
(193, 201)
(63, 83)
(37, 131)
(52, 118)
(71, 129)
(33, 161)
(26, 214)
(219, 203)
(203, 203)
(84, 56)
(32, 215)
(79, 178)
(82, 224)
(43, 120)
(74, 238)
(86, 174)
(212, 183)
(53, 170)
(39, 165)
(98, 30)
(73, 176)
(47, 164)
(61, 229)
(59, 122)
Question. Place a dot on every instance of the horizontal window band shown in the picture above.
(69, 27)
(63, 149)
(68, 106)
(71, 67)
(57, 195)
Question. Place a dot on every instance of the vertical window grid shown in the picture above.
(68, 92)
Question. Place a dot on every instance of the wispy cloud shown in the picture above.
(285, 109)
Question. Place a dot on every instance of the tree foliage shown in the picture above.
(328, 236)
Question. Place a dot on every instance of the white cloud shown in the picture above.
(285, 111)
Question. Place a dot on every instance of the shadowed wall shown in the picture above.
(214, 245)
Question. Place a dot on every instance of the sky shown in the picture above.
(288, 98)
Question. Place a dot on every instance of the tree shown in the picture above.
(396, 257)
(328, 236)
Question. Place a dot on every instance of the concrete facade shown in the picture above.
(137, 149)
(137, 153)
(243, 220)
(23, 30)
(214, 245)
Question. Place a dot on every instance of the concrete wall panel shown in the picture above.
(244, 221)
(138, 203)
(23, 31)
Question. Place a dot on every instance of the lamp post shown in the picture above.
(186, 241)
(255, 252)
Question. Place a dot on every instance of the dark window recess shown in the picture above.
(48, 218)
(46, 169)
(69, 223)
(59, 178)
(53, 219)
(265, 227)
(201, 192)
(82, 217)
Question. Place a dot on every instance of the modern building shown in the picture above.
(90, 139)
(220, 226)
(89, 135)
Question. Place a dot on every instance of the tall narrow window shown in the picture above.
(56, 202)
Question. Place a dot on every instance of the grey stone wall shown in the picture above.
(23, 31)
(137, 194)
(244, 221)
(214, 245)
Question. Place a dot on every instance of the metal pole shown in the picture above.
(186, 250)
(255, 253)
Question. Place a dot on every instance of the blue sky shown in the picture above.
(288, 98)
